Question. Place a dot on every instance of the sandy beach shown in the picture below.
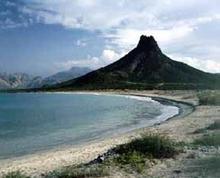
(179, 128)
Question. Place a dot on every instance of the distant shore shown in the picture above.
(43, 162)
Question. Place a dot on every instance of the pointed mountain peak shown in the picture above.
(148, 43)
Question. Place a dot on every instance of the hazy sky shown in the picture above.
(45, 36)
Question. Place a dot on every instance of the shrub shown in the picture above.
(81, 171)
(133, 159)
(131, 156)
(214, 126)
(155, 146)
(204, 167)
(209, 140)
(209, 97)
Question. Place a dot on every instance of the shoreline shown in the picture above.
(41, 162)
(123, 129)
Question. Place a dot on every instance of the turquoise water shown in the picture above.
(31, 122)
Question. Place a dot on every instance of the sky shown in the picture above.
(42, 37)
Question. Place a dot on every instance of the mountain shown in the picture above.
(59, 77)
(16, 80)
(145, 67)
(4, 84)
(23, 81)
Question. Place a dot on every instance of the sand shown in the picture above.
(178, 128)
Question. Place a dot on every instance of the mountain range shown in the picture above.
(60, 77)
(23, 80)
(16, 80)
(144, 67)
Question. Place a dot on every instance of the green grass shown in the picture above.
(208, 167)
(81, 171)
(130, 157)
(151, 146)
(212, 139)
(209, 97)
(214, 126)
(132, 161)
(211, 127)
(135, 155)
(16, 174)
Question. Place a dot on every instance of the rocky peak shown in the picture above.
(148, 43)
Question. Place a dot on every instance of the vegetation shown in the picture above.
(131, 161)
(135, 156)
(131, 157)
(211, 139)
(16, 174)
(80, 171)
(152, 146)
(213, 126)
(209, 97)
(205, 167)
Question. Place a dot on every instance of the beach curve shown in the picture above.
(38, 163)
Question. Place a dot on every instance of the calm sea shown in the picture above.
(31, 122)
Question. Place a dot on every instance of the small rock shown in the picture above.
(42, 174)
(99, 159)
(191, 156)
(177, 171)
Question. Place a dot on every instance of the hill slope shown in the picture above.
(144, 67)
(74, 72)
(59, 77)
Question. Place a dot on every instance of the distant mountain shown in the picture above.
(59, 77)
(4, 84)
(23, 81)
(16, 80)
(145, 67)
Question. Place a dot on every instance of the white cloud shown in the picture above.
(81, 43)
(125, 38)
(174, 23)
(91, 62)
(167, 19)
(208, 65)
(108, 56)
(102, 14)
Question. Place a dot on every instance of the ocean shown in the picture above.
(32, 122)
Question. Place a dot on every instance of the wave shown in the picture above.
(167, 113)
